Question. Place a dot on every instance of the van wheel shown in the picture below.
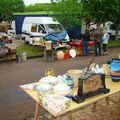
(26, 42)
(23, 38)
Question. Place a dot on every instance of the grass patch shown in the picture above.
(37, 50)
(113, 43)
(30, 50)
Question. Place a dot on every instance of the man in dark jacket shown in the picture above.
(85, 38)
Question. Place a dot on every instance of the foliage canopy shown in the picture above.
(37, 7)
(96, 11)
(8, 7)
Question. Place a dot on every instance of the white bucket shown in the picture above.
(75, 74)
(24, 56)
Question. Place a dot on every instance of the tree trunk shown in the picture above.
(103, 24)
(117, 31)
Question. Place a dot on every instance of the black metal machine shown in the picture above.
(89, 85)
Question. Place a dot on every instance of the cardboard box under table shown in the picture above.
(48, 55)
(113, 86)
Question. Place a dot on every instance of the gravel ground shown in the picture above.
(16, 105)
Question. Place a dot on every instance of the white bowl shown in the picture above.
(61, 89)
(44, 87)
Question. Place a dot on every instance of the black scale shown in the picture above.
(90, 85)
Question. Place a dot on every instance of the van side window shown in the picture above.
(41, 28)
(34, 28)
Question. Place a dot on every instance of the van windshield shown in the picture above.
(54, 28)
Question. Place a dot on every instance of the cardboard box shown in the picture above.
(56, 103)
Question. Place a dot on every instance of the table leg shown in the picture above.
(59, 118)
(118, 107)
(36, 111)
(107, 101)
(94, 107)
(70, 115)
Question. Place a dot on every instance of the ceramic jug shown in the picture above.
(69, 81)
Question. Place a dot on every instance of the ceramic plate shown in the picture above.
(72, 53)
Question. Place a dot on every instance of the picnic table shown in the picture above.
(78, 45)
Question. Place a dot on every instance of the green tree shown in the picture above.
(101, 11)
(93, 11)
(114, 14)
(37, 7)
(97, 11)
(68, 12)
(8, 7)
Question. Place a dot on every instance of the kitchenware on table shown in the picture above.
(75, 74)
(50, 79)
(72, 53)
(43, 87)
(61, 89)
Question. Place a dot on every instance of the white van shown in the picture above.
(110, 28)
(35, 28)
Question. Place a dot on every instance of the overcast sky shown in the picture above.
(28, 2)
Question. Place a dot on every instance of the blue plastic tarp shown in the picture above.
(56, 37)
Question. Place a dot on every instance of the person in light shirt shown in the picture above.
(105, 40)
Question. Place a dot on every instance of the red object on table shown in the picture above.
(72, 44)
(79, 44)
(76, 44)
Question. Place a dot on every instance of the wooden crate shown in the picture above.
(48, 55)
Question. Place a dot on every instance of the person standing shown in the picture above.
(97, 41)
(105, 40)
(85, 39)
